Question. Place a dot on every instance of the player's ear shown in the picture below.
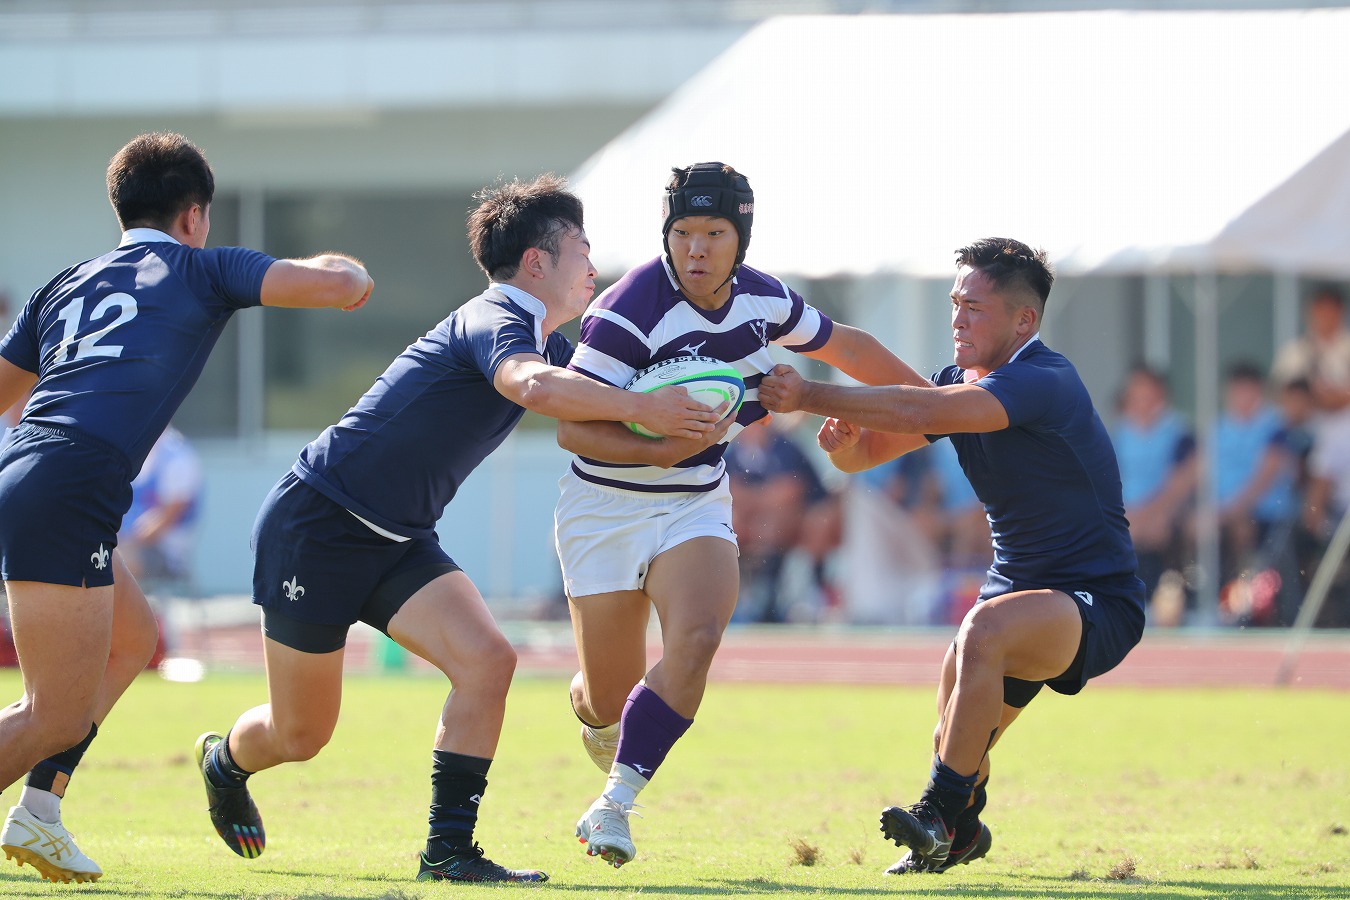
(192, 220)
(1027, 320)
(532, 262)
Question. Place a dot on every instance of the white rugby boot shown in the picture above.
(604, 831)
(47, 847)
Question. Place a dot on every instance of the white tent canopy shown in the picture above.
(1119, 141)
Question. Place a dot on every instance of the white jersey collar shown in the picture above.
(531, 304)
(1034, 338)
(146, 236)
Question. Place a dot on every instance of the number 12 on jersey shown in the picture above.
(89, 345)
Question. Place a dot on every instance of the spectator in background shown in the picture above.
(965, 526)
(773, 487)
(1321, 355)
(158, 530)
(1326, 503)
(1156, 450)
(1254, 478)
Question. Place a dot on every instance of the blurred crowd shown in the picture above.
(907, 543)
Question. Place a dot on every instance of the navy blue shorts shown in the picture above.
(317, 569)
(62, 499)
(1113, 622)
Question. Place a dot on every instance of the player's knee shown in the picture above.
(135, 649)
(696, 646)
(498, 661)
(980, 637)
(58, 729)
(302, 742)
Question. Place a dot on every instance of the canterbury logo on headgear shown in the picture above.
(703, 200)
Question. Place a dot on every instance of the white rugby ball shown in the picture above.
(709, 381)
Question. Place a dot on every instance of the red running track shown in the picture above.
(796, 655)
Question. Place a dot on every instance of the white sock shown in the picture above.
(624, 784)
(43, 804)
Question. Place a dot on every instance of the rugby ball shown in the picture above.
(709, 381)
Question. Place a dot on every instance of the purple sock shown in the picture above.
(650, 728)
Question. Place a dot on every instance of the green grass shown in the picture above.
(1117, 793)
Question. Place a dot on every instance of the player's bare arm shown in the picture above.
(327, 280)
(528, 379)
(852, 448)
(615, 443)
(900, 409)
(15, 383)
(859, 355)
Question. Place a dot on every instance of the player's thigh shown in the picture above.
(304, 690)
(610, 632)
(694, 586)
(135, 629)
(1036, 633)
(447, 623)
(62, 635)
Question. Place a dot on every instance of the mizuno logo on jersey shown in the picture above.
(1084, 596)
(693, 349)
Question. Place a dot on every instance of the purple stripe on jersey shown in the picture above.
(610, 465)
(646, 280)
(587, 373)
(823, 335)
(798, 309)
(612, 339)
(640, 488)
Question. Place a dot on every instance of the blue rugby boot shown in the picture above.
(978, 847)
(921, 828)
(233, 813)
(472, 865)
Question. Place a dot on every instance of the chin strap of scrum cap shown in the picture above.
(709, 189)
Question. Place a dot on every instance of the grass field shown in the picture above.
(774, 792)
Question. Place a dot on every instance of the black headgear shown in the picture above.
(710, 189)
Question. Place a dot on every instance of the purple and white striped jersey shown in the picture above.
(644, 319)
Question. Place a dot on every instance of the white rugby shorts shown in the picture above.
(607, 537)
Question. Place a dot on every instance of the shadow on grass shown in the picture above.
(1039, 886)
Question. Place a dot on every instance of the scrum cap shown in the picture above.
(710, 189)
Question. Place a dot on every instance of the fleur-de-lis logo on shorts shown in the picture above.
(100, 558)
(293, 589)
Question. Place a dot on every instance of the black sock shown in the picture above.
(968, 822)
(458, 783)
(948, 790)
(221, 768)
(53, 773)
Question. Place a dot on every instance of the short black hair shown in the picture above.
(1329, 293)
(1246, 370)
(155, 177)
(514, 216)
(1009, 264)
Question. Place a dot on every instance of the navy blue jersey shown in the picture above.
(1049, 482)
(118, 341)
(399, 455)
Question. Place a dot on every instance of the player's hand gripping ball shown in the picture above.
(709, 381)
